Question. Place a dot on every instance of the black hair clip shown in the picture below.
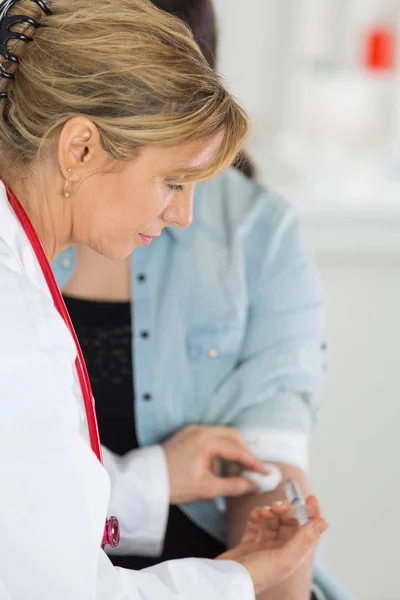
(6, 34)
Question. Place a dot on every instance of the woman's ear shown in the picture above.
(79, 145)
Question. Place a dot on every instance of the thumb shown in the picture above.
(302, 544)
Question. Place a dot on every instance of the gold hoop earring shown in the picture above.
(67, 192)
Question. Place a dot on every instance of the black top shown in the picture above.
(105, 334)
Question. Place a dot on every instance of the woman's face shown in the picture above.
(119, 206)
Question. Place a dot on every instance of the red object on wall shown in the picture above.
(380, 49)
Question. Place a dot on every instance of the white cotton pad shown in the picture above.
(265, 483)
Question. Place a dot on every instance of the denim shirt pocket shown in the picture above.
(213, 352)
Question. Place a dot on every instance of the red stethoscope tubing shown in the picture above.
(62, 309)
(111, 533)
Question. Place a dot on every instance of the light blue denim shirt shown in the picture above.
(234, 314)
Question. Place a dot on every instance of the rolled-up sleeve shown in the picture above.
(272, 395)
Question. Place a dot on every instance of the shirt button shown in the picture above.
(66, 263)
(141, 278)
(213, 353)
(324, 346)
(147, 397)
(145, 335)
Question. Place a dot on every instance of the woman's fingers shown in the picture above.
(252, 532)
(268, 567)
(314, 507)
(216, 466)
(261, 525)
(230, 486)
(274, 545)
(228, 443)
(271, 523)
(277, 521)
(232, 451)
(256, 515)
(194, 456)
(302, 544)
(286, 515)
(277, 514)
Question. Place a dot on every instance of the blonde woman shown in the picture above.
(106, 108)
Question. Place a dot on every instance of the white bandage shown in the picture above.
(276, 445)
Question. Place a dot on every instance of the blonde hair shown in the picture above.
(131, 68)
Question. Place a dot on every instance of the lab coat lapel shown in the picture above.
(23, 260)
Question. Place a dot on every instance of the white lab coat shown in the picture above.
(53, 492)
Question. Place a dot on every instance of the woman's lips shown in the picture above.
(147, 239)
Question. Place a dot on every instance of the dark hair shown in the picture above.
(200, 16)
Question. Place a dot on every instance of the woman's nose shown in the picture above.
(180, 211)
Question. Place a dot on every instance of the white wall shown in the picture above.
(356, 448)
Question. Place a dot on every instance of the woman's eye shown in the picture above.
(174, 187)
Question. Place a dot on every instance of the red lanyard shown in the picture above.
(111, 531)
(62, 309)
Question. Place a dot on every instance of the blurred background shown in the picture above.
(321, 80)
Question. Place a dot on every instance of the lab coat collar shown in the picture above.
(12, 233)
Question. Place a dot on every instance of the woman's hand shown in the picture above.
(274, 545)
(193, 456)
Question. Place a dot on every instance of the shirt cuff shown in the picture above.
(139, 499)
(278, 445)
